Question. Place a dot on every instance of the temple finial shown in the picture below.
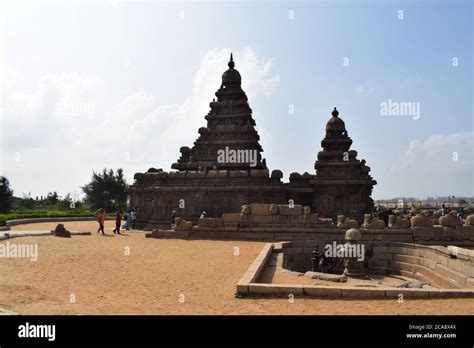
(231, 62)
(335, 113)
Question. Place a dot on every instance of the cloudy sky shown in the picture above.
(124, 84)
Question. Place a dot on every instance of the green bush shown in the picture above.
(27, 214)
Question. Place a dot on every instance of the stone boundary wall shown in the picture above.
(47, 219)
(255, 270)
(279, 222)
(427, 235)
(249, 286)
(451, 267)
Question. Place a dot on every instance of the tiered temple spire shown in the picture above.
(229, 125)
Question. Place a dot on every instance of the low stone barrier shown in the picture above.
(351, 292)
(49, 219)
(449, 267)
(276, 222)
(255, 270)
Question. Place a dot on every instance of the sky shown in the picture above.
(88, 85)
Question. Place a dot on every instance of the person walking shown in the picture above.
(101, 220)
(134, 218)
(118, 222)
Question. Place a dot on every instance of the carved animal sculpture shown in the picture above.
(245, 210)
(273, 209)
(450, 221)
(372, 223)
(437, 214)
(470, 220)
(345, 222)
(395, 222)
(182, 225)
(420, 220)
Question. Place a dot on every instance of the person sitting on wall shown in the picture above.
(203, 215)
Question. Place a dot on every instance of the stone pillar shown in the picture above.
(353, 265)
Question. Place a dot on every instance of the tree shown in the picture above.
(462, 202)
(107, 190)
(6, 195)
(53, 198)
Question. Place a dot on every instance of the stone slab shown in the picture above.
(275, 289)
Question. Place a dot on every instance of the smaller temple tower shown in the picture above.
(342, 184)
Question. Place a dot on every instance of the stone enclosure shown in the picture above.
(449, 272)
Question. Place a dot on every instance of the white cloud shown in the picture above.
(439, 165)
(87, 132)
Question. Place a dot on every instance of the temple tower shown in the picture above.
(342, 183)
(230, 130)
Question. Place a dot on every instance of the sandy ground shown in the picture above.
(160, 277)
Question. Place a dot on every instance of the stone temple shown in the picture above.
(225, 170)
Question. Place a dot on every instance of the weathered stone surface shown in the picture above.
(231, 218)
(321, 291)
(275, 289)
(210, 222)
(396, 222)
(353, 234)
(259, 209)
(290, 210)
(182, 225)
(156, 233)
(61, 231)
(450, 221)
(469, 220)
(420, 221)
(238, 173)
(407, 293)
(315, 219)
(344, 222)
(372, 223)
(326, 276)
(353, 292)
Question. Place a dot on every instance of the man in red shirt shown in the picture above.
(118, 222)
